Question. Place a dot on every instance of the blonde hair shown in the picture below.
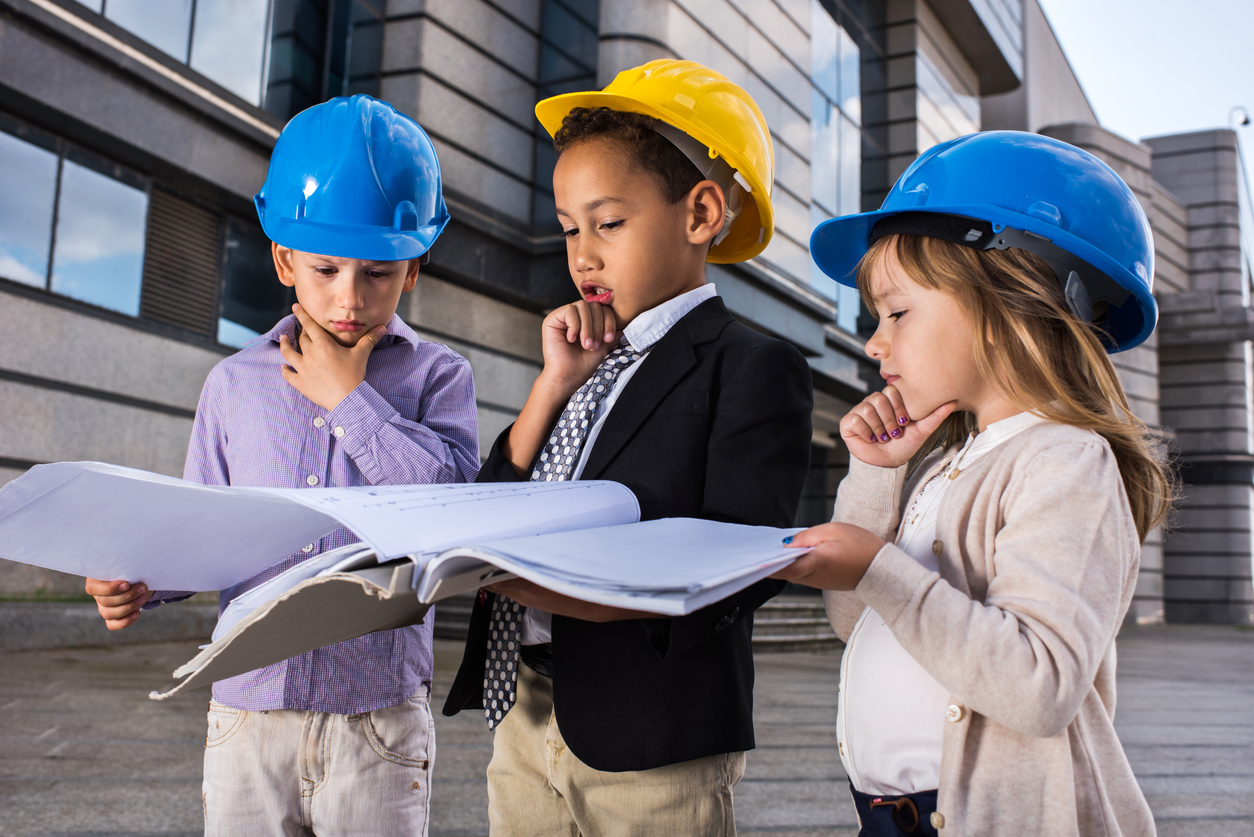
(1040, 355)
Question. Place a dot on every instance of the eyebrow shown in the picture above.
(593, 205)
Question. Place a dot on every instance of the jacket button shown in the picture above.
(937, 546)
(937, 820)
(954, 713)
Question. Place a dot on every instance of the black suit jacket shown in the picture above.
(715, 424)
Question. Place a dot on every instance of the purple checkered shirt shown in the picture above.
(412, 420)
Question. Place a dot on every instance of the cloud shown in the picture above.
(11, 268)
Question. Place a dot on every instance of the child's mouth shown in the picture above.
(595, 293)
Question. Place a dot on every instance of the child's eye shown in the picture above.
(611, 225)
(571, 232)
(896, 315)
(325, 271)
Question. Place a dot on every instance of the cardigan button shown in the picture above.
(937, 546)
(937, 819)
(954, 713)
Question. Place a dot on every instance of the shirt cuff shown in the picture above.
(891, 581)
(357, 418)
(160, 597)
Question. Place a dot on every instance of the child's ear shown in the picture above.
(706, 210)
(411, 273)
(283, 264)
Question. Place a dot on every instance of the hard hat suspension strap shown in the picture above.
(1088, 291)
(711, 168)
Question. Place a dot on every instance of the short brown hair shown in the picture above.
(648, 149)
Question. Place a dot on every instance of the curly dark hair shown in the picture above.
(649, 150)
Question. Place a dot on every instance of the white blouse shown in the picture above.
(891, 713)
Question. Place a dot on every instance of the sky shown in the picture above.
(1152, 67)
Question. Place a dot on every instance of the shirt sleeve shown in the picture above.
(206, 462)
(440, 445)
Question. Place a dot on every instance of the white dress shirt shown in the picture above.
(890, 719)
(642, 333)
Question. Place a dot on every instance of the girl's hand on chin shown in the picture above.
(839, 557)
(879, 432)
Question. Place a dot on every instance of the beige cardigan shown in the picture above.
(1038, 560)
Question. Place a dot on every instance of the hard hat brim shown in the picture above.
(838, 245)
(383, 244)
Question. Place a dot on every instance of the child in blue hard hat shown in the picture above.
(340, 393)
(986, 541)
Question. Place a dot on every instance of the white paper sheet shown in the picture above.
(106, 521)
(671, 566)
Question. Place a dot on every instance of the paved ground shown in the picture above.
(84, 752)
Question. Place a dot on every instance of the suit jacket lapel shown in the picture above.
(669, 360)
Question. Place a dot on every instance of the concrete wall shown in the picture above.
(1208, 385)
(1051, 95)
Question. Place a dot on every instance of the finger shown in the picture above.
(288, 351)
(590, 331)
(574, 322)
(610, 325)
(136, 592)
(111, 614)
(369, 340)
(290, 375)
(309, 328)
(899, 405)
(870, 415)
(815, 535)
(124, 622)
(887, 414)
(853, 426)
(100, 587)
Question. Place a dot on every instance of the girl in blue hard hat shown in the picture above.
(985, 544)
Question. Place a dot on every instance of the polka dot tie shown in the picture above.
(556, 463)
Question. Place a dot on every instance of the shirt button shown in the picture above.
(954, 713)
(937, 546)
(339, 432)
(311, 479)
(307, 548)
(319, 421)
(938, 820)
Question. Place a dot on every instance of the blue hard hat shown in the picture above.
(1002, 189)
(355, 178)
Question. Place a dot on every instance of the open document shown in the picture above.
(419, 544)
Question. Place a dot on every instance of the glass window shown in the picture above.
(819, 280)
(824, 51)
(98, 256)
(29, 175)
(229, 44)
(94, 5)
(850, 98)
(850, 168)
(253, 299)
(824, 153)
(166, 24)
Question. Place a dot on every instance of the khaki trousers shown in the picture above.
(537, 787)
(286, 772)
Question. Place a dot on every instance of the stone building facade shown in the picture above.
(139, 140)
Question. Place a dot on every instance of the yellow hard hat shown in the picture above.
(711, 109)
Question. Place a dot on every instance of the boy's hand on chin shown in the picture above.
(838, 559)
(880, 432)
(324, 371)
(576, 338)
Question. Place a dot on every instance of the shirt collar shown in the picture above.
(397, 330)
(999, 431)
(651, 326)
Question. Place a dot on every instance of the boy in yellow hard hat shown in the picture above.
(623, 722)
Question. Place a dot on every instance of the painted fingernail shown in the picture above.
(902, 420)
(896, 433)
(873, 439)
(883, 437)
(788, 539)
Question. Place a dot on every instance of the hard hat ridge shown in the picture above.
(353, 177)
